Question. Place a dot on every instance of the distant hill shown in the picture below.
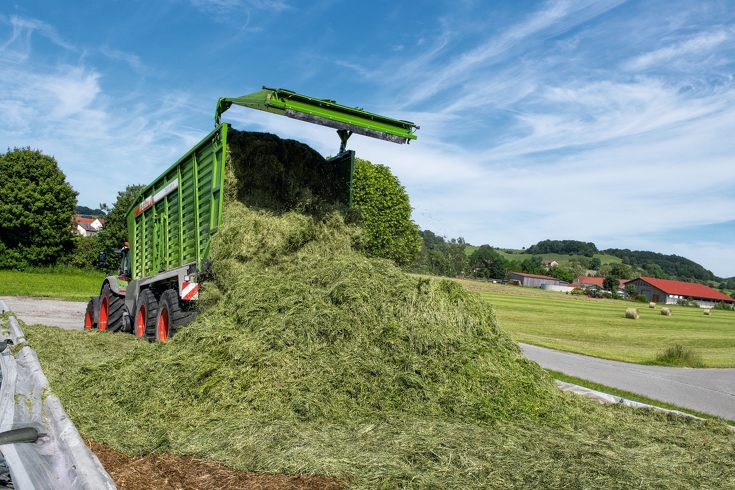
(672, 265)
(85, 211)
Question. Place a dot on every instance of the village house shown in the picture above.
(87, 226)
(670, 292)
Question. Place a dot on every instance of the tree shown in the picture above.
(488, 263)
(562, 273)
(620, 271)
(456, 255)
(37, 205)
(595, 263)
(630, 289)
(611, 284)
(386, 213)
(115, 232)
(533, 265)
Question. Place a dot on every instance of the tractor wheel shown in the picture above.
(171, 315)
(92, 315)
(111, 310)
(146, 313)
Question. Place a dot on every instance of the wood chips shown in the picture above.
(167, 472)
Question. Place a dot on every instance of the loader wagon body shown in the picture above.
(181, 210)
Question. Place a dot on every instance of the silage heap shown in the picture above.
(310, 357)
(300, 325)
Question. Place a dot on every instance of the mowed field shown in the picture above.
(58, 283)
(598, 327)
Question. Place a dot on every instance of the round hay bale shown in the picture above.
(707, 312)
(666, 311)
(652, 305)
(632, 313)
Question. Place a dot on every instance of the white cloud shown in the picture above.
(699, 45)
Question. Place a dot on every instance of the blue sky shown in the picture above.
(608, 121)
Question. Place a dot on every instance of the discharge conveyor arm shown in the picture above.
(346, 120)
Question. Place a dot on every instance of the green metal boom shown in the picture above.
(346, 120)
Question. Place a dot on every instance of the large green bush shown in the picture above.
(37, 205)
(386, 213)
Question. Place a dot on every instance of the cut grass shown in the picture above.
(599, 328)
(631, 396)
(54, 282)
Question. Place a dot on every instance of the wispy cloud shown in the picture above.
(700, 44)
(131, 59)
(18, 45)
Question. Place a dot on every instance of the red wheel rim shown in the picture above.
(163, 325)
(104, 312)
(140, 321)
(88, 320)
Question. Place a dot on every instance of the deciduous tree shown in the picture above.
(37, 205)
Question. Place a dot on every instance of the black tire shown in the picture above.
(115, 308)
(170, 305)
(145, 315)
(92, 315)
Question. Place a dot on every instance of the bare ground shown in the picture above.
(167, 472)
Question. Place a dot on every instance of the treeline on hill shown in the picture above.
(671, 265)
(564, 247)
(448, 257)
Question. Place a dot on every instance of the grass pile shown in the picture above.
(309, 357)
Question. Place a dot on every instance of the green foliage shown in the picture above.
(655, 271)
(562, 273)
(84, 254)
(97, 213)
(36, 209)
(386, 213)
(441, 257)
(566, 247)
(671, 265)
(611, 284)
(115, 232)
(533, 265)
(620, 271)
(630, 289)
(488, 263)
(595, 263)
(641, 298)
(721, 305)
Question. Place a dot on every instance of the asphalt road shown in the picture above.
(53, 312)
(709, 391)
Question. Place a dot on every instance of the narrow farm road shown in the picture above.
(709, 391)
(53, 312)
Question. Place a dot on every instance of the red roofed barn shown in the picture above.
(670, 292)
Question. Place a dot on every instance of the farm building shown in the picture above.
(534, 280)
(587, 281)
(670, 292)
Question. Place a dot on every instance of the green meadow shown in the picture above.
(58, 282)
(597, 327)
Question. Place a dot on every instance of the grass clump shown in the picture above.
(679, 356)
(308, 357)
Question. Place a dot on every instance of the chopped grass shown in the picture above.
(51, 282)
(679, 356)
(308, 357)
